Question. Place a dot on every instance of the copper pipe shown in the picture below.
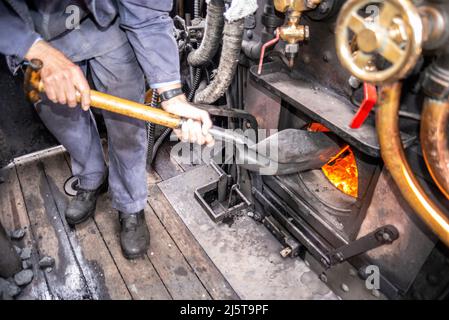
(264, 47)
(434, 141)
(387, 125)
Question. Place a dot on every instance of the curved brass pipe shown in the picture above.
(387, 125)
(434, 121)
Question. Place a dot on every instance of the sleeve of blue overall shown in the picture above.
(15, 36)
(150, 31)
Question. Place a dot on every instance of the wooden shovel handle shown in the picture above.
(106, 101)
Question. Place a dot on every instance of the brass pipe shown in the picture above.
(387, 125)
(434, 143)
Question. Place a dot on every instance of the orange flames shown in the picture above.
(341, 170)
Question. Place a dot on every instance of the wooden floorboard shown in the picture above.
(103, 277)
(13, 215)
(152, 177)
(140, 276)
(66, 280)
(206, 271)
(177, 275)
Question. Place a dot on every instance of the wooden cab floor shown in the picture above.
(89, 262)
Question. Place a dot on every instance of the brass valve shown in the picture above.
(293, 32)
(394, 32)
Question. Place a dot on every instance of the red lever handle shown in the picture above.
(369, 100)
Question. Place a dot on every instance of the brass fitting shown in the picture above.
(293, 32)
(295, 5)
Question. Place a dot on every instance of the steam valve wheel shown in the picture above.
(390, 30)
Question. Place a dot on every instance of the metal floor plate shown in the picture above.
(245, 252)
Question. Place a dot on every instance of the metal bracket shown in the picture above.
(383, 235)
(221, 198)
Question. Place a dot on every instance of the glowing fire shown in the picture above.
(341, 170)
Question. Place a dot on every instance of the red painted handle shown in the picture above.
(369, 100)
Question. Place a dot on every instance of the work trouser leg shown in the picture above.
(119, 74)
(76, 130)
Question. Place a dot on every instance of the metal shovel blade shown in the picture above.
(285, 152)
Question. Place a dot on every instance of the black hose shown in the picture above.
(232, 44)
(196, 9)
(196, 77)
(195, 84)
(211, 41)
(155, 145)
(151, 128)
(159, 141)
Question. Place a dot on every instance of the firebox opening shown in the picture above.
(340, 170)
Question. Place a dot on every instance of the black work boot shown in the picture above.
(83, 205)
(134, 234)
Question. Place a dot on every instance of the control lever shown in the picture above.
(381, 236)
(369, 101)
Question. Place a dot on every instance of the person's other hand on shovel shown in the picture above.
(60, 76)
(196, 128)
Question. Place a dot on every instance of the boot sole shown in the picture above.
(133, 256)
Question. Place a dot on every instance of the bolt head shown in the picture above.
(324, 7)
(354, 82)
(327, 56)
(352, 272)
(306, 58)
(306, 33)
(362, 273)
(386, 236)
(344, 287)
(323, 277)
(291, 48)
